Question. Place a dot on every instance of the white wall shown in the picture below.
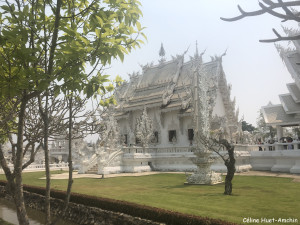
(168, 121)
(219, 109)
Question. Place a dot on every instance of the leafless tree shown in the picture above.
(284, 10)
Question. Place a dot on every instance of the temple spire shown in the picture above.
(162, 53)
(196, 56)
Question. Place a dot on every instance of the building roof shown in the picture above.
(294, 91)
(169, 86)
(276, 115)
(147, 89)
(292, 60)
(288, 103)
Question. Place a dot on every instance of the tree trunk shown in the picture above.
(230, 164)
(45, 117)
(18, 195)
(70, 181)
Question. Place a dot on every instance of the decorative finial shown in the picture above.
(224, 53)
(220, 57)
(197, 56)
(196, 53)
(162, 53)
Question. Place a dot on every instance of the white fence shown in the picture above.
(40, 167)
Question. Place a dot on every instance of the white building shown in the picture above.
(166, 90)
(286, 157)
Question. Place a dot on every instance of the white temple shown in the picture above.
(155, 116)
(166, 90)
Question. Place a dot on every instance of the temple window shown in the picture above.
(125, 139)
(172, 136)
(155, 137)
(191, 134)
(137, 141)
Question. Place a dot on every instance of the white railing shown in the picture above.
(243, 147)
(113, 155)
(295, 145)
(59, 151)
(154, 150)
(40, 167)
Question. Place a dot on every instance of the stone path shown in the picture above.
(296, 177)
(97, 176)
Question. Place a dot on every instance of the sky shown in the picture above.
(255, 70)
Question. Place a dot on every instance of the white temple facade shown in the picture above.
(166, 90)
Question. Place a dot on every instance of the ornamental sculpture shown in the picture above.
(205, 95)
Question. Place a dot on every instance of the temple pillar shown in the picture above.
(279, 135)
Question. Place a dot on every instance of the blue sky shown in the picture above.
(254, 69)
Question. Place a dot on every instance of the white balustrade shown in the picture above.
(40, 167)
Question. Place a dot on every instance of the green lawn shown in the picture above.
(3, 222)
(253, 197)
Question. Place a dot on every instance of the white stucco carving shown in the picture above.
(205, 97)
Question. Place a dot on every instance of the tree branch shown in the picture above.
(261, 11)
(280, 38)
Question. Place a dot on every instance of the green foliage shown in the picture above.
(247, 127)
(7, 118)
(118, 80)
(3, 222)
(42, 43)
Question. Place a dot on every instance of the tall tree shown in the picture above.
(62, 42)
(247, 126)
(284, 10)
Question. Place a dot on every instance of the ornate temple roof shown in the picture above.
(288, 103)
(276, 115)
(148, 88)
(292, 60)
(294, 91)
(169, 86)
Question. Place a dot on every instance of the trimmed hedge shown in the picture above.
(132, 209)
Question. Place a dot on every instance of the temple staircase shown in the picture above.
(93, 169)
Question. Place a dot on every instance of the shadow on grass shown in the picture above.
(175, 186)
(184, 185)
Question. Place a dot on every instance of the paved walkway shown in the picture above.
(97, 176)
(296, 177)
(65, 175)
